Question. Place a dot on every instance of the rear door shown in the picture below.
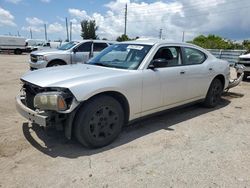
(198, 73)
(82, 53)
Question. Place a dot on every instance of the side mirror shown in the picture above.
(158, 63)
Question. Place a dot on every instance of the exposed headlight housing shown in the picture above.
(41, 58)
(50, 101)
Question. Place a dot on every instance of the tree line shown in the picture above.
(217, 42)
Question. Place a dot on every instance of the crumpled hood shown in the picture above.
(48, 52)
(69, 75)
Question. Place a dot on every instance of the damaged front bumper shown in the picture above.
(240, 74)
(34, 116)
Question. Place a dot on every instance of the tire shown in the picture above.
(214, 94)
(99, 121)
(17, 51)
(245, 77)
(56, 63)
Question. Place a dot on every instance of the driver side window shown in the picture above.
(170, 56)
(85, 47)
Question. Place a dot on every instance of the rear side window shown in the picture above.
(85, 47)
(193, 56)
(99, 46)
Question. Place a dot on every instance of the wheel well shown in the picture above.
(61, 62)
(221, 78)
(69, 127)
(121, 99)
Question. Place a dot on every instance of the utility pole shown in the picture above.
(67, 30)
(126, 13)
(18, 34)
(70, 31)
(183, 36)
(160, 34)
(45, 32)
(31, 33)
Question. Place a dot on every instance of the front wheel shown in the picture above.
(55, 64)
(214, 94)
(99, 121)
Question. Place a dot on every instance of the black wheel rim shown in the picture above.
(216, 92)
(103, 123)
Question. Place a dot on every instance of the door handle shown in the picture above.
(210, 69)
(182, 72)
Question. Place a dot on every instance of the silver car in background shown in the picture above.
(126, 81)
(69, 53)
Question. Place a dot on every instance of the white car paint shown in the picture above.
(147, 91)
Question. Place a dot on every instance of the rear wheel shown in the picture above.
(99, 121)
(214, 94)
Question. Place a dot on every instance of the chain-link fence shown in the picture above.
(232, 56)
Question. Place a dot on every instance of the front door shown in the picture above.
(82, 53)
(165, 85)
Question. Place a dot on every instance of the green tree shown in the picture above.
(89, 29)
(123, 38)
(213, 42)
(246, 45)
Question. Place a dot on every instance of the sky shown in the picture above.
(145, 18)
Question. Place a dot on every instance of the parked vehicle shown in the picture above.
(32, 43)
(126, 81)
(12, 44)
(47, 46)
(69, 53)
(245, 60)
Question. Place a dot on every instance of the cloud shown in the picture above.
(78, 14)
(192, 16)
(35, 24)
(55, 28)
(34, 21)
(13, 1)
(6, 18)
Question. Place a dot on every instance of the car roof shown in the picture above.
(90, 40)
(157, 42)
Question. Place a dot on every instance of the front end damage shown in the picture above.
(62, 120)
(237, 74)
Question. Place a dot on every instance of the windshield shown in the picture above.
(67, 46)
(123, 56)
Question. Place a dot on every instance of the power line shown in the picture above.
(31, 33)
(70, 31)
(45, 32)
(126, 13)
(160, 34)
(67, 30)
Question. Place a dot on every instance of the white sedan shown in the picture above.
(126, 81)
